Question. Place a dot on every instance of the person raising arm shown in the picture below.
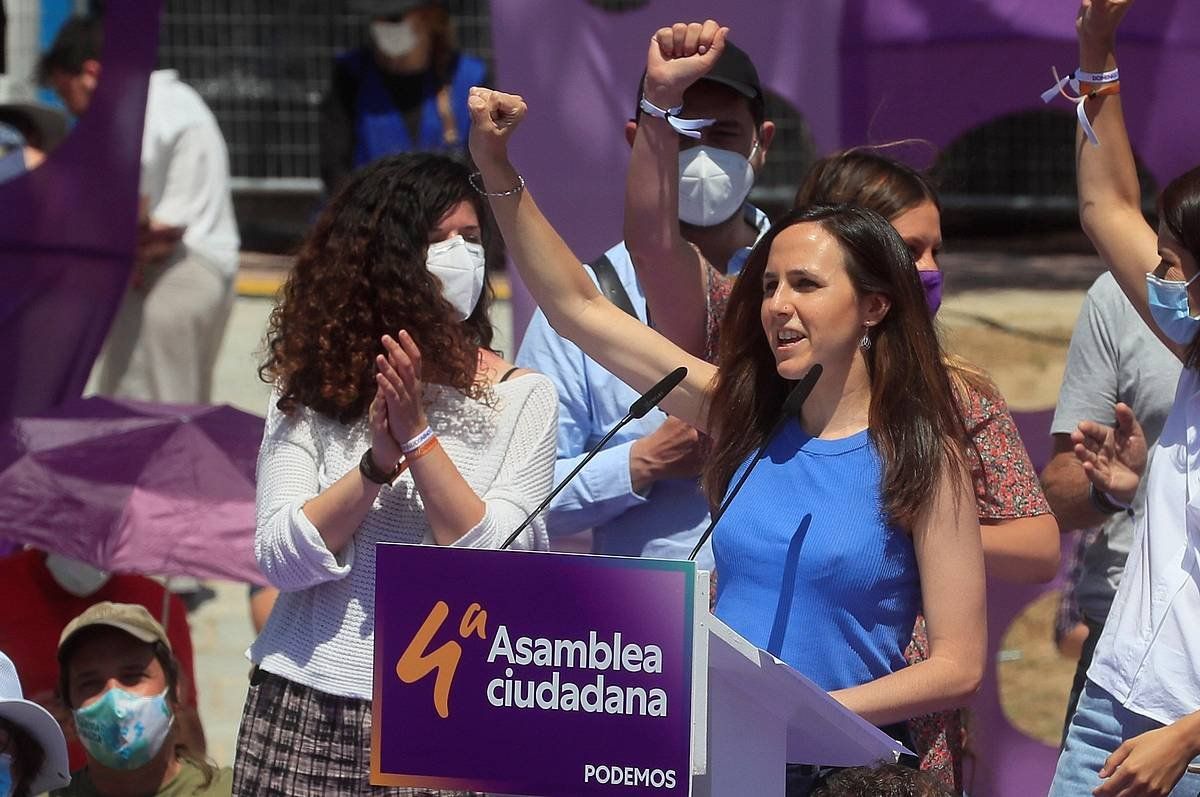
(828, 285)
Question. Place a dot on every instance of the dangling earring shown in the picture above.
(865, 342)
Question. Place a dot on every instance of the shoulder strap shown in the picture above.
(610, 284)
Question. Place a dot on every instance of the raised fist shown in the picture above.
(679, 56)
(494, 117)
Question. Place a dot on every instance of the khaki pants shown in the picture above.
(164, 341)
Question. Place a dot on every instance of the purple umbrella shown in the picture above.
(135, 487)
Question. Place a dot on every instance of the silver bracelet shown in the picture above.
(474, 178)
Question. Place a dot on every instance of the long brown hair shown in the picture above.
(1179, 211)
(865, 177)
(360, 275)
(913, 419)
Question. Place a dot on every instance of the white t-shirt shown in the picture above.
(1149, 654)
(185, 171)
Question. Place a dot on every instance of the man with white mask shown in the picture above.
(403, 92)
(50, 590)
(640, 496)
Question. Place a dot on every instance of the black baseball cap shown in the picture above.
(735, 70)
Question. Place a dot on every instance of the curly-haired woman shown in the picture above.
(392, 420)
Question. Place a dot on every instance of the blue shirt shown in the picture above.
(666, 522)
(810, 569)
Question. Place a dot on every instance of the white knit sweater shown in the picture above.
(321, 632)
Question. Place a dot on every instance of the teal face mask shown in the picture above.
(122, 730)
(6, 775)
(1169, 308)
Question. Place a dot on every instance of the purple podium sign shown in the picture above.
(532, 673)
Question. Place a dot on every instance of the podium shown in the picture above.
(557, 675)
(761, 714)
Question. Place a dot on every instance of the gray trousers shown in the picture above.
(164, 341)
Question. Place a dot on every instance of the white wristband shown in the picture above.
(1061, 83)
(1111, 76)
(421, 439)
(684, 127)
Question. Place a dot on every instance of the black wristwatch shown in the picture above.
(1104, 504)
(372, 473)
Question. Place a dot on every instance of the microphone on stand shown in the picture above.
(791, 409)
(644, 403)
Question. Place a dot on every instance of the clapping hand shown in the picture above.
(398, 377)
(1113, 457)
(678, 57)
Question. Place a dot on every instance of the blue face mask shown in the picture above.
(7, 784)
(122, 730)
(1169, 307)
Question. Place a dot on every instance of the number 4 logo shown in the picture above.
(417, 661)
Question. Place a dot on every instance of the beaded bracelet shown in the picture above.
(473, 179)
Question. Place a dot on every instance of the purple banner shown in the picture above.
(69, 227)
(532, 673)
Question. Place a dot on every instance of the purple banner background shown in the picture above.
(555, 596)
(69, 228)
(861, 71)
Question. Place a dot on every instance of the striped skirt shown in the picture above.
(297, 742)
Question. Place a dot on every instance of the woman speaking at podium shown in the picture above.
(391, 420)
(861, 509)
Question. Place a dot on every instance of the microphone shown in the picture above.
(791, 409)
(644, 403)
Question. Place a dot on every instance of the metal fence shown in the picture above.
(262, 66)
(1015, 175)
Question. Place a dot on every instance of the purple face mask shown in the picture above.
(931, 281)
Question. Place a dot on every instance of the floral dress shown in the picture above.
(1006, 487)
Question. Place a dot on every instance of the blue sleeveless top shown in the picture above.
(379, 126)
(809, 568)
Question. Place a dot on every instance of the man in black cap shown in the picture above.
(640, 496)
(405, 91)
(703, 131)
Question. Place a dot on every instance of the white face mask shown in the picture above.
(459, 266)
(713, 184)
(394, 39)
(78, 578)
